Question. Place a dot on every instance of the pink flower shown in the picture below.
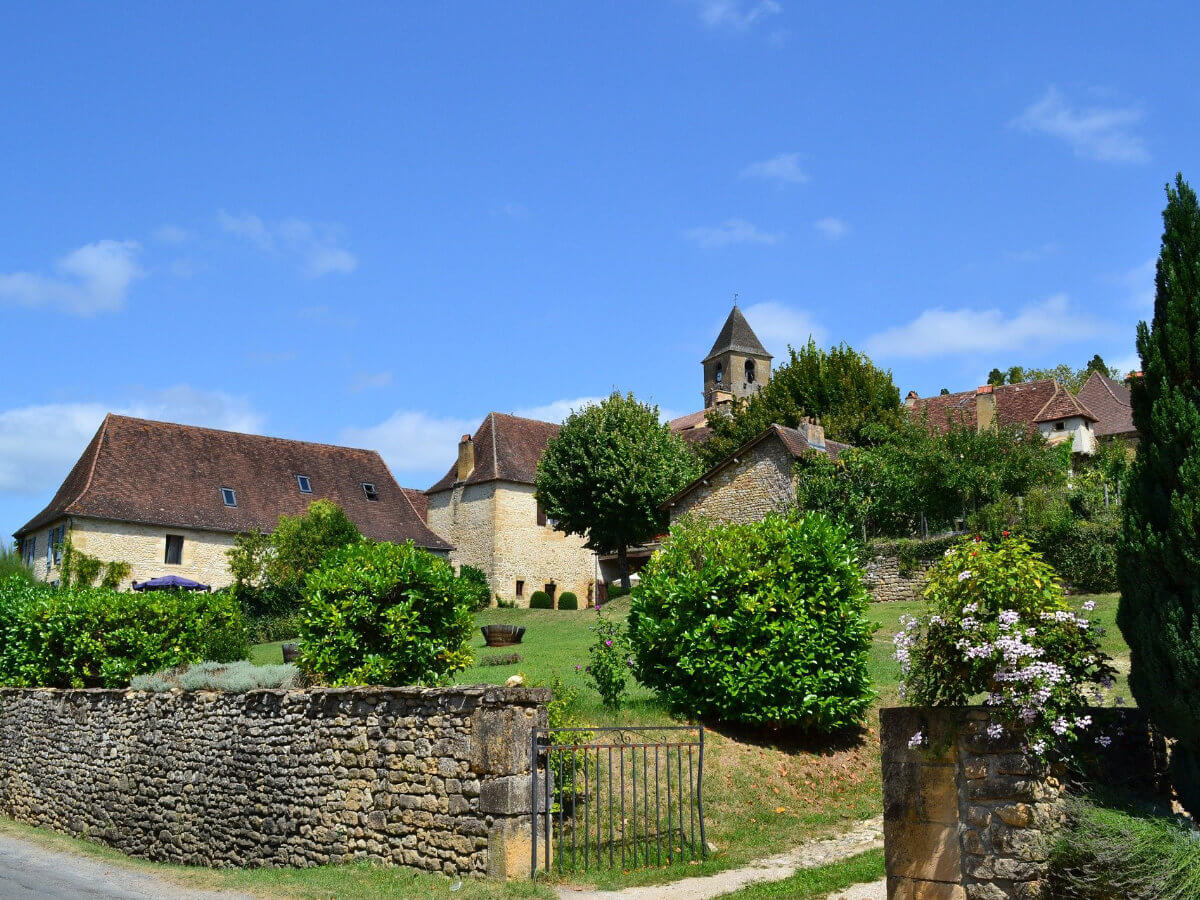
(608, 643)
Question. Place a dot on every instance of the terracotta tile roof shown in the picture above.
(1109, 400)
(507, 448)
(160, 473)
(1016, 404)
(792, 439)
(692, 428)
(736, 334)
(419, 501)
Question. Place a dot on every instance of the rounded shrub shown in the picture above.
(475, 582)
(761, 624)
(390, 614)
(568, 600)
(540, 600)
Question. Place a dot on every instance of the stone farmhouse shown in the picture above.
(756, 479)
(171, 499)
(485, 507)
(1109, 400)
(1045, 405)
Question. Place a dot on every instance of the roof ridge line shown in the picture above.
(495, 459)
(92, 468)
(249, 434)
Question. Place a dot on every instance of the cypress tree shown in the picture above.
(1159, 562)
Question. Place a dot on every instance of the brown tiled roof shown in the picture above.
(159, 473)
(419, 501)
(792, 439)
(1016, 404)
(736, 334)
(507, 448)
(1109, 400)
(692, 427)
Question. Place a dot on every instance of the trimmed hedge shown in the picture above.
(761, 623)
(540, 600)
(388, 614)
(81, 637)
(568, 600)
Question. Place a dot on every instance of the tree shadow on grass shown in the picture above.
(792, 739)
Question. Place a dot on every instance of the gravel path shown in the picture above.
(30, 871)
(865, 836)
(875, 891)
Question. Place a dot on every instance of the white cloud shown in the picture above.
(366, 380)
(93, 279)
(1098, 132)
(779, 326)
(39, 444)
(558, 410)
(733, 231)
(832, 228)
(171, 234)
(413, 441)
(785, 168)
(314, 245)
(950, 332)
(738, 15)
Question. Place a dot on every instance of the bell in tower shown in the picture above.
(737, 365)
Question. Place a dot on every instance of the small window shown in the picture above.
(229, 495)
(369, 490)
(720, 376)
(520, 588)
(749, 371)
(174, 554)
(1060, 426)
(305, 484)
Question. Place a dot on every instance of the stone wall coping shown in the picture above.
(517, 696)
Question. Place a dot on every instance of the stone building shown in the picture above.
(485, 507)
(1109, 400)
(172, 499)
(737, 366)
(1043, 405)
(756, 479)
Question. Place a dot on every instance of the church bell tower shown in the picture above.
(737, 365)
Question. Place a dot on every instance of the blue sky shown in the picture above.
(372, 224)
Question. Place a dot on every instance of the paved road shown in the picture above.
(30, 871)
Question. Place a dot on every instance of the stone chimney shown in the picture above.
(911, 400)
(466, 457)
(813, 432)
(985, 407)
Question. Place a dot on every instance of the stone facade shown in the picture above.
(494, 527)
(967, 817)
(435, 779)
(886, 583)
(760, 482)
(144, 547)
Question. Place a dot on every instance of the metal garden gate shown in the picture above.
(616, 796)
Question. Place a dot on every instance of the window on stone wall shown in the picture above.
(720, 376)
(1060, 426)
(520, 588)
(174, 554)
(749, 371)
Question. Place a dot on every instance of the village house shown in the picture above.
(756, 479)
(485, 506)
(1043, 405)
(172, 499)
(1109, 400)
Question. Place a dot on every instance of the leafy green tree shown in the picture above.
(841, 387)
(607, 470)
(1016, 375)
(995, 377)
(1159, 560)
(1097, 364)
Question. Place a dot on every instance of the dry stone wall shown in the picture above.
(436, 779)
(886, 583)
(968, 817)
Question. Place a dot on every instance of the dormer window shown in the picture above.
(749, 371)
(229, 497)
(370, 492)
(720, 376)
(304, 483)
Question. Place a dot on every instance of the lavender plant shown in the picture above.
(999, 630)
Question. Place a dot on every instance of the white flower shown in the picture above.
(917, 740)
(1039, 747)
(964, 574)
(1103, 740)
(1089, 605)
(949, 552)
(995, 731)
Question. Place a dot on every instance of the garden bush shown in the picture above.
(1084, 554)
(269, 629)
(568, 600)
(389, 614)
(998, 625)
(1128, 851)
(12, 565)
(237, 677)
(540, 600)
(475, 583)
(761, 624)
(74, 637)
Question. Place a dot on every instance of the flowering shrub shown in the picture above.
(609, 661)
(998, 626)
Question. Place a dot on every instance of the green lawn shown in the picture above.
(809, 884)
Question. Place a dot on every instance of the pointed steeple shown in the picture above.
(737, 336)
